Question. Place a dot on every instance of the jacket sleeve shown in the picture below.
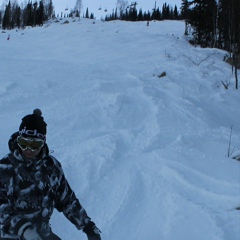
(10, 220)
(67, 202)
(5, 189)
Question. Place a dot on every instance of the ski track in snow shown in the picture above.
(145, 155)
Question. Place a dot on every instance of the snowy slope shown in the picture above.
(147, 156)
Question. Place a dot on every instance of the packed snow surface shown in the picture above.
(147, 156)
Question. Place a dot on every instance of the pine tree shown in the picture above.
(165, 11)
(133, 12)
(0, 17)
(147, 16)
(7, 17)
(156, 14)
(87, 14)
(18, 17)
(29, 14)
(202, 17)
(175, 14)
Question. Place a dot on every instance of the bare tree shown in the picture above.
(79, 7)
(122, 6)
(234, 36)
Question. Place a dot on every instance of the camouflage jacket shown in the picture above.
(30, 189)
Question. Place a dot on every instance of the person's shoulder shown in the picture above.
(51, 161)
(6, 159)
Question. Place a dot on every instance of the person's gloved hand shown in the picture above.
(93, 233)
(29, 232)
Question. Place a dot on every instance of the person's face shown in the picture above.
(30, 154)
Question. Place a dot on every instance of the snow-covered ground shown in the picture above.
(147, 156)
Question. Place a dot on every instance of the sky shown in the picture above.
(94, 5)
(146, 156)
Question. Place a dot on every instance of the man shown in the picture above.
(32, 184)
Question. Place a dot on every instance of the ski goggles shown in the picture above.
(30, 143)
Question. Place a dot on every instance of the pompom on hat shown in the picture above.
(33, 125)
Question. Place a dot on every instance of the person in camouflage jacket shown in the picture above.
(32, 184)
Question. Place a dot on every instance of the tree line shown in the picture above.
(34, 14)
(31, 14)
(211, 23)
(215, 24)
(130, 13)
